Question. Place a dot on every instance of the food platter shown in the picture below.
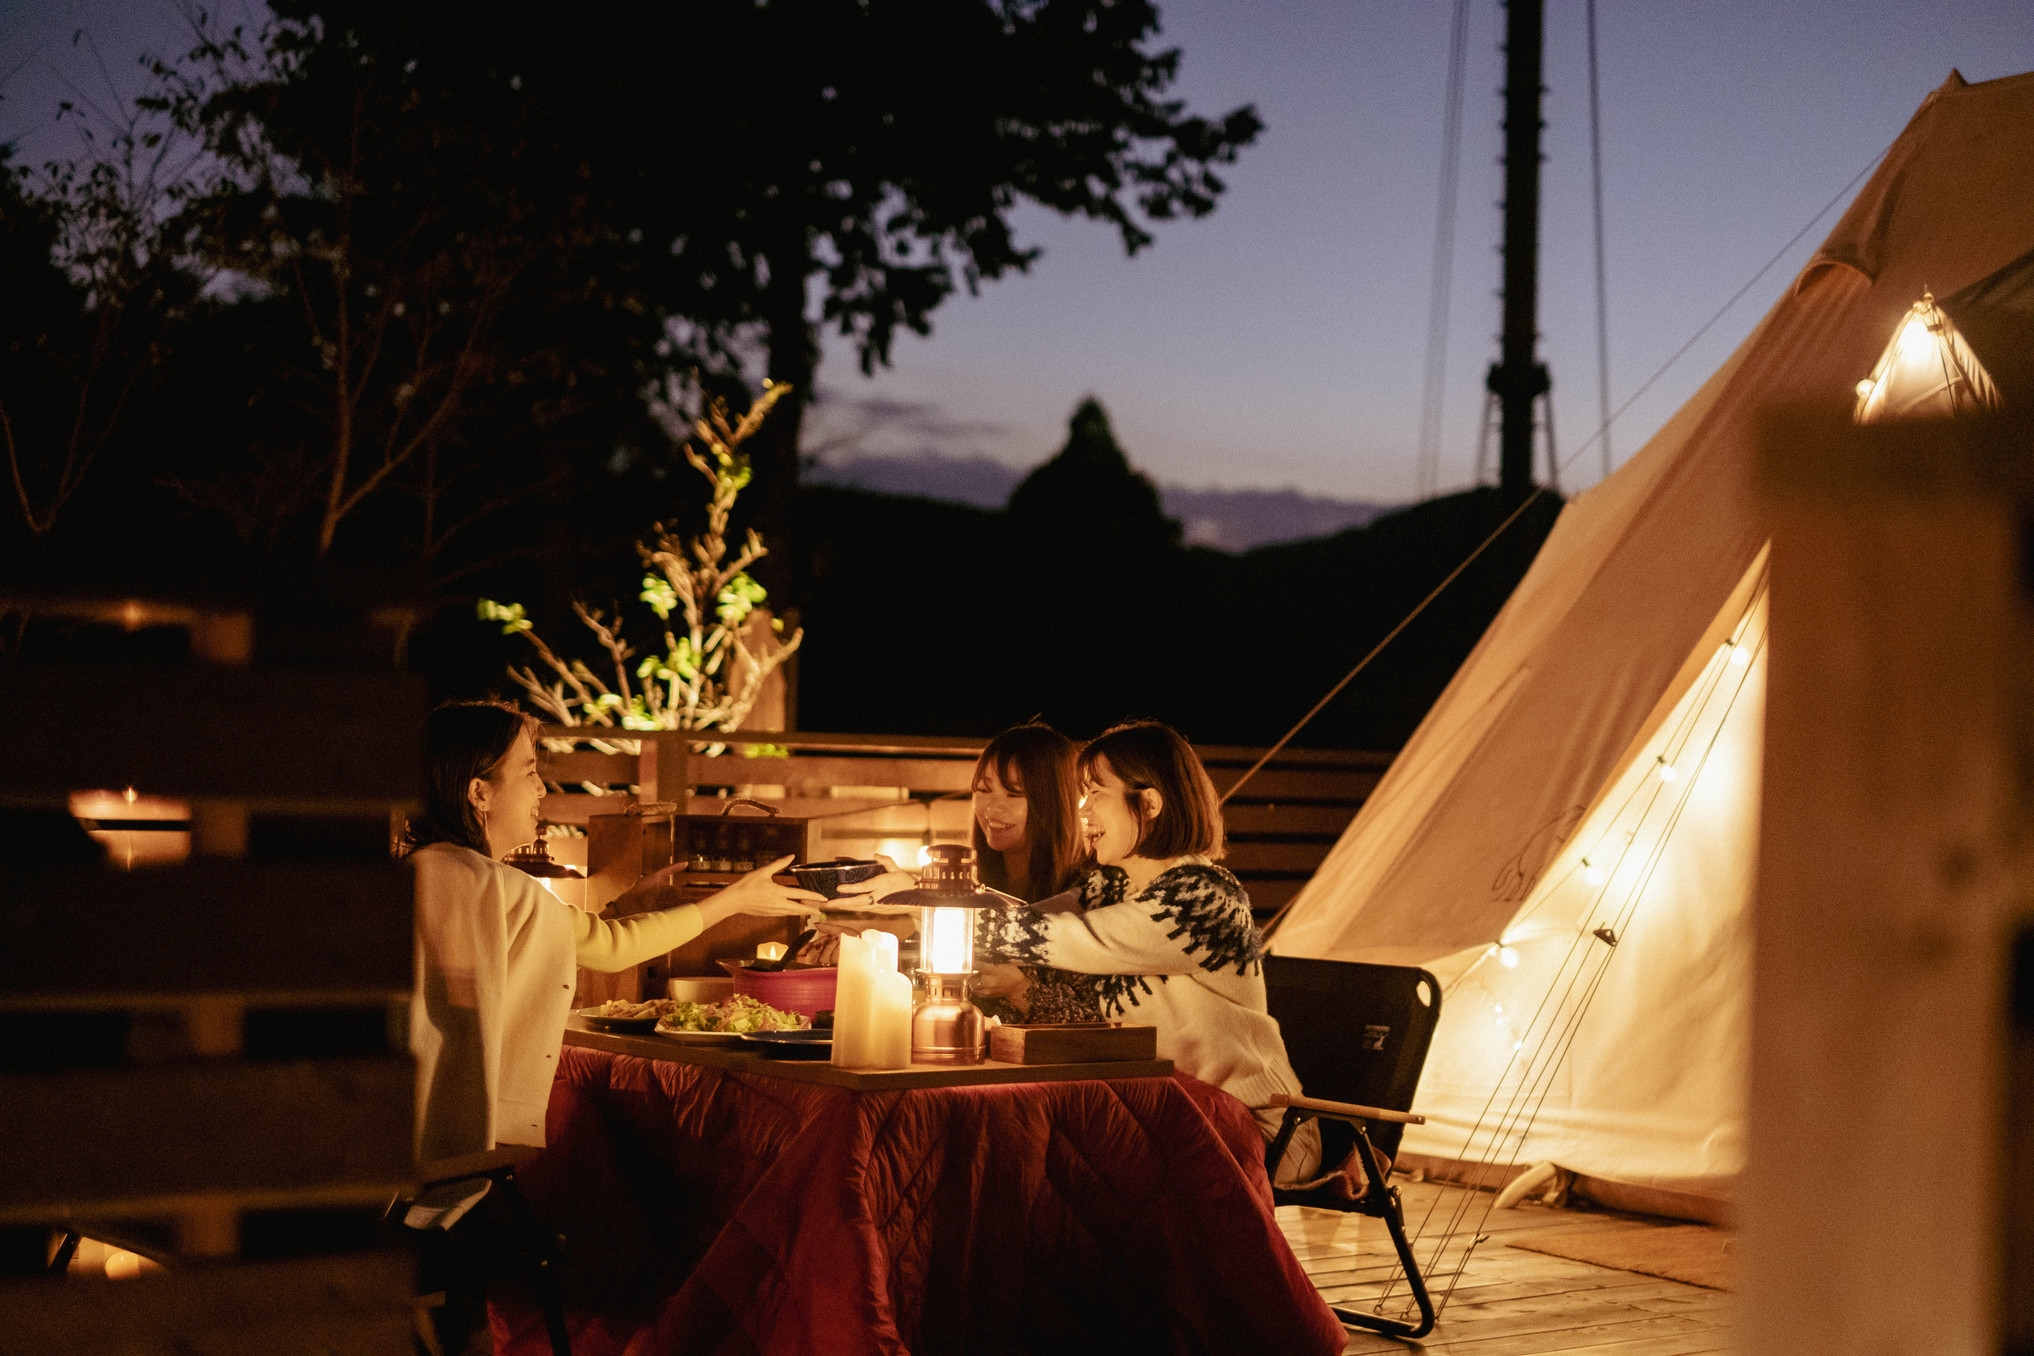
(789, 1044)
(593, 1018)
(728, 1038)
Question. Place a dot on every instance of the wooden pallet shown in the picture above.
(208, 1062)
(892, 793)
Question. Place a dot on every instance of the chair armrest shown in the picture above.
(1347, 1111)
(483, 1164)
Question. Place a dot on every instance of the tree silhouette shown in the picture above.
(1101, 596)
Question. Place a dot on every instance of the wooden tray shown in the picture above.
(1073, 1042)
(814, 1071)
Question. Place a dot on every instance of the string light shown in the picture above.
(1740, 655)
(1507, 957)
(1591, 873)
(1667, 772)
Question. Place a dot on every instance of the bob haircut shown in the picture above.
(462, 740)
(1147, 755)
(1038, 762)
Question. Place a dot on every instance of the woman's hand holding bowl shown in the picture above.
(864, 896)
(756, 893)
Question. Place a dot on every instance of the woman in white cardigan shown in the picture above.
(496, 952)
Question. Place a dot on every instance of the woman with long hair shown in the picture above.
(1165, 935)
(1026, 801)
(496, 951)
(1026, 830)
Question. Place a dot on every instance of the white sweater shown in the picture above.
(495, 954)
(1185, 956)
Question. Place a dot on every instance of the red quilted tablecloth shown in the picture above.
(709, 1212)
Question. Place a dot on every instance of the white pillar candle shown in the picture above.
(891, 1046)
(851, 1004)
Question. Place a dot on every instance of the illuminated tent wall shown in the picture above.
(1613, 712)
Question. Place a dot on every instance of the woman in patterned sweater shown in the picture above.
(1166, 936)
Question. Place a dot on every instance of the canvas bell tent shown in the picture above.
(1569, 840)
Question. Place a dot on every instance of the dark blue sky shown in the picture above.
(1280, 342)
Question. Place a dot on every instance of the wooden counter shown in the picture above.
(738, 1060)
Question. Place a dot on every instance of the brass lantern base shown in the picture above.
(945, 1027)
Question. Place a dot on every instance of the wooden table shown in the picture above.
(735, 1059)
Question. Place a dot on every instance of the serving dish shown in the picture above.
(803, 991)
(826, 878)
(790, 1044)
(592, 1017)
(700, 1037)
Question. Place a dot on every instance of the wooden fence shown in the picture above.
(896, 793)
(205, 1062)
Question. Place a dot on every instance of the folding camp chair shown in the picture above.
(1357, 1036)
(519, 1243)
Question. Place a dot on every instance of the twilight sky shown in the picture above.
(1280, 341)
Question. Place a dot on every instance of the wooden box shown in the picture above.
(1072, 1043)
(716, 850)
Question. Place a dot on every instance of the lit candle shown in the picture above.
(891, 1046)
(768, 951)
(872, 1005)
(850, 1003)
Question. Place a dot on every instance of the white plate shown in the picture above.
(592, 1017)
(700, 1037)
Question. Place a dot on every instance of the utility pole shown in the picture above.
(1519, 378)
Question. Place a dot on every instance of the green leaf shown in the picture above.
(510, 615)
(658, 593)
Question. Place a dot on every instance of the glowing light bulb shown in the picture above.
(1864, 388)
(1913, 337)
(1500, 1009)
(1518, 1045)
(1740, 655)
(1591, 873)
(1667, 772)
(925, 856)
(128, 795)
(1507, 957)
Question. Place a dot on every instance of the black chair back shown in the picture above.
(1354, 1033)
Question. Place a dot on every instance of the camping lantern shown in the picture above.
(534, 859)
(946, 1028)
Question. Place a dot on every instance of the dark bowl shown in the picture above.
(826, 878)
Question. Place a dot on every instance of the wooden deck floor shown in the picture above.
(1506, 1302)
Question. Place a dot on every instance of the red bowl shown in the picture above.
(801, 991)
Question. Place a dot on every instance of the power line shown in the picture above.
(1602, 289)
(1427, 467)
(1539, 490)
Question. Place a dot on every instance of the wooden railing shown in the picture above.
(895, 793)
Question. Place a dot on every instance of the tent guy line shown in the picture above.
(1531, 1092)
(1538, 490)
(1607, 869)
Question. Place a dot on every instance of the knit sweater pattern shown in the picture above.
(1183, 955)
